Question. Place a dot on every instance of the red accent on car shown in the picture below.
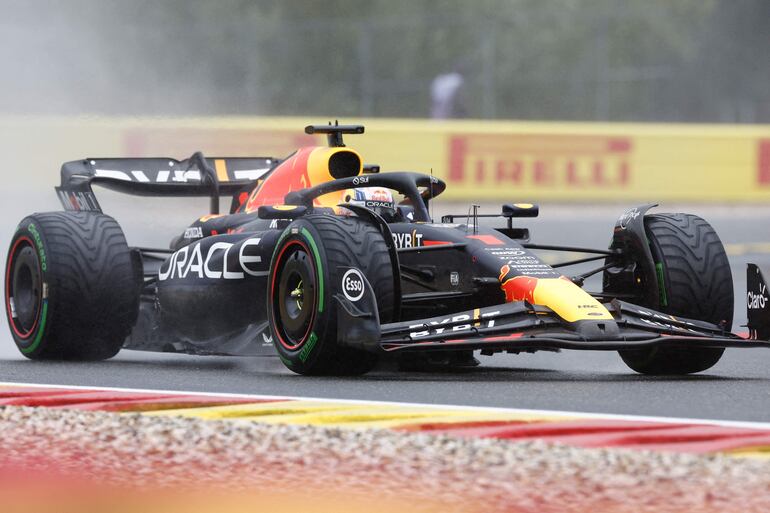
(512, 336)
(503, 338)
(489, 240)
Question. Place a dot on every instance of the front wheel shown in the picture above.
(694, 281)
(313, 258)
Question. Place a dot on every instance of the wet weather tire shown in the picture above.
(70, 287)
(306, 271)
(694, 281)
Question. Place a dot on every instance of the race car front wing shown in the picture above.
(520, 326)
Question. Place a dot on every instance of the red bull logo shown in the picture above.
(518, 288)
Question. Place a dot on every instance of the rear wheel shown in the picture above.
(307, 269)
(70, 290)
(694, 281)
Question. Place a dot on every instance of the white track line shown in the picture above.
(490, 409)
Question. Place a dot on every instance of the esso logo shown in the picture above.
(353, 285)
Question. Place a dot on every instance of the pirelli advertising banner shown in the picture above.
(581, 162)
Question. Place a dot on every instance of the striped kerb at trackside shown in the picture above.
(582, 430)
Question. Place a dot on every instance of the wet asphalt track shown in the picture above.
(738, 388)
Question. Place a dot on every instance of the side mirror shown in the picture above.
(520, 210)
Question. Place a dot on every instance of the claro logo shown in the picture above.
(758, 300)
(190, 262)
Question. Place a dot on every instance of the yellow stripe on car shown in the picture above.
(569, 301)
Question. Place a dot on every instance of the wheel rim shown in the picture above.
(24, 287)
(293, 294)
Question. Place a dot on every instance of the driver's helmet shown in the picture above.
(378, 199)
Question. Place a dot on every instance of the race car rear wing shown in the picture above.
(195, 176)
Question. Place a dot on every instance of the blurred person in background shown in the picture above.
(446, 96)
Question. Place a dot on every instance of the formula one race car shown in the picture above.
(332, 264)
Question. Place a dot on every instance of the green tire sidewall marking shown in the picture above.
(308, 347)
(32, 229)
(314, 248)
(40, 330)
